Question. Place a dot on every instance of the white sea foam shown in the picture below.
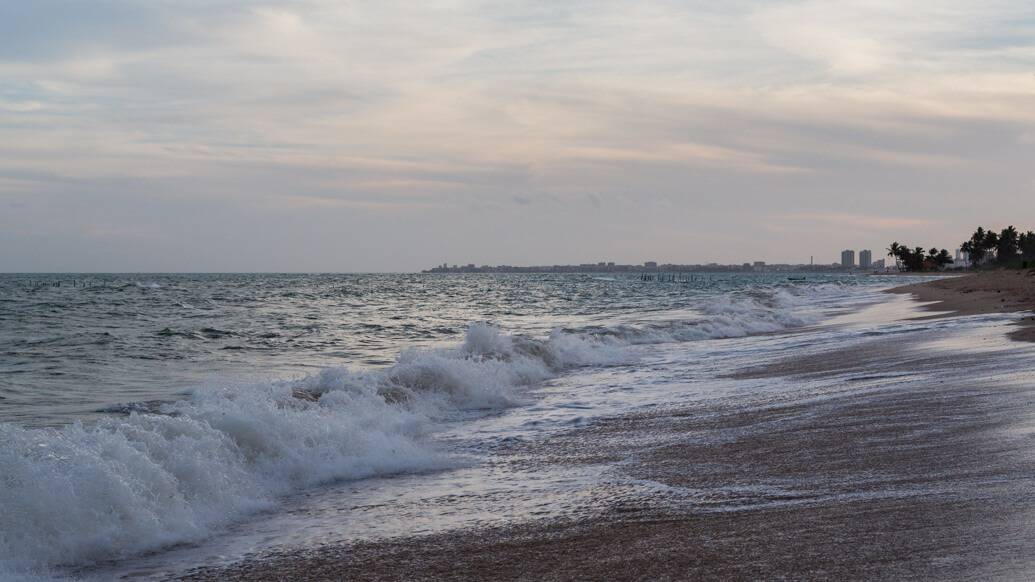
(131, 484)
(135, 483)
(727, 316)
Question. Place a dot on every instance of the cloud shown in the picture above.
(295, 201)
(20, 106)
(682, 154)
(678, 115)
(18, 185)
(829, 33)
(856, 221)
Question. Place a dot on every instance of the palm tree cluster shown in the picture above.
(917, 259)
(1001, 248)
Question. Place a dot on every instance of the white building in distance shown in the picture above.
(848, 259)
(865, 258)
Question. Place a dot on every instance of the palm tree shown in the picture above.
(1007, 245)
(895, 250)
(976, 246)
(968, 247)
(1026, 244)
(991, 242)
(918, 259)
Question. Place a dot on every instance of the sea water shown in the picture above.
(153, 422)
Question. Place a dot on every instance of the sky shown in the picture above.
(318, 135)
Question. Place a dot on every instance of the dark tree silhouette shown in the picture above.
(1026, 244)
(968, 247)
(1007, 245)
(918, 258)
(975, 247)
(984, 246)
(991, 242)
(910, 259)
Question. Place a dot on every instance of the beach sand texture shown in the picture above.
(878, 477)
(986, 292)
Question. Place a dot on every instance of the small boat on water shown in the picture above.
(795, 278)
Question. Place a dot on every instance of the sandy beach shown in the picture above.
(312, 290)
(986, 292)
(873, 479)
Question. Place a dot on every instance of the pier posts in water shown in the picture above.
(670, 277)
(662, 277)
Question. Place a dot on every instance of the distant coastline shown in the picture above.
(652, 267)
(912, 453)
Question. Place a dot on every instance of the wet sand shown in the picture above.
(986, 292)
(897, 486)
(877, 477)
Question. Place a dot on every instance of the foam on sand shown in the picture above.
(178, 472)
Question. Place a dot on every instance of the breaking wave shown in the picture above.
(162, 474)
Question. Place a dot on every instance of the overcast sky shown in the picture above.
(319, 135)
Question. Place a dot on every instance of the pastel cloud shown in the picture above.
(652, 117)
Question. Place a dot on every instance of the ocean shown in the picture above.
(153, 423)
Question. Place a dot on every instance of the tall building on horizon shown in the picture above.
(847, 258)
(865, 258)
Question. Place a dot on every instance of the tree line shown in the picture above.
(1006, 248)
(917, 259)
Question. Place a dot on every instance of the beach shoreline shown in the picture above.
(881, 478)
(978, 294)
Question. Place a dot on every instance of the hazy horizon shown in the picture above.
(876, 257)
(316, 136)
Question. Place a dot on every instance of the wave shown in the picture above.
(201, 334)
(729, 316)
(168, 473)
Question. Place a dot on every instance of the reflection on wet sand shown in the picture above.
(901, 456)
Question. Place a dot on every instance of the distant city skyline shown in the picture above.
(847, 263)
(310, 135)
(865, 258)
